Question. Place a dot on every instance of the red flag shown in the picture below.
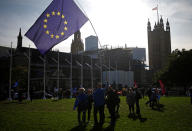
(155, 8)
(162, 87)
(135, 84)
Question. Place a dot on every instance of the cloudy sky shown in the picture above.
(117, 22)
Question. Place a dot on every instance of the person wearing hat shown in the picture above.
(81, 103)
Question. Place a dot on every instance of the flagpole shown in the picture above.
(44, 73)
(109, 70)
(10, 74)
(57, 73)
(116, 74)
(81, 70)
(91, 73)
(29, 68)
(157, 10)
(71, 74)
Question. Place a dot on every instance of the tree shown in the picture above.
(178, 71)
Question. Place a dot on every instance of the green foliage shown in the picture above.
(178, 71)
(49, 115)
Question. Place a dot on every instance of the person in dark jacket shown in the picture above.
(149, 94)
(90, 102)
(111, 101)
(81, 103)
(137, 97)
(99, 104)
(117, 103)
(131, 102)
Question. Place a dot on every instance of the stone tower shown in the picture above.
(19, 40)
(77, 44)
(159, 45)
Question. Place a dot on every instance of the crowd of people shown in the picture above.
(101, 97)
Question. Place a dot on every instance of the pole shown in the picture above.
(116, 75)
(109, 70)
(101, 69)
(91, 73)
(57, 73)
(81, 70)
(44, 77)
(71, 74)
(10, 74)
(29, 69)
(157, 11)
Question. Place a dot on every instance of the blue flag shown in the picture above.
(61, 19)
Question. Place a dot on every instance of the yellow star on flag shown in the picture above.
(65, 28)
(57, 37)
(45, 20)
(53, 13)
(62, 33)
(63, 16)
(52, 36)
(48, 15)
(58, 13)
(47, 32)
(65, 22)
(45, 26)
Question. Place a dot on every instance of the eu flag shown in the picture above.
(61, 19)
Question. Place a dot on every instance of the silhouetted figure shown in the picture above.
(137, 97)
(149, 93)
(111, 101)
(20, 95)
(99, 104)
(81, 103)
(117, 104)
(131, 101)
(90, 102)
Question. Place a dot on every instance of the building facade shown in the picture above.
(159, 45)
(91, 43)
(77, 45)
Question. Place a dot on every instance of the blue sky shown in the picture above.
(117, 22)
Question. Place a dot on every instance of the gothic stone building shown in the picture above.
(159, 45)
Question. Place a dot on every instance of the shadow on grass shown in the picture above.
(15, 102)
(135, 117)
(159, 107)
(99, 128)
(78, 128)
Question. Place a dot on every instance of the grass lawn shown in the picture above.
(49, 115)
